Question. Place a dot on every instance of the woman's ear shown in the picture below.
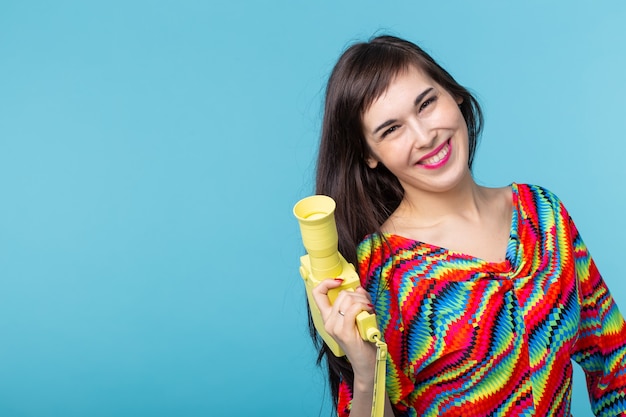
(459, 100)
(371, 162)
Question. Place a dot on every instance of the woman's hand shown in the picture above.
(340, 323)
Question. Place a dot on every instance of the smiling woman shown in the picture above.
(418, 134)
(484, 296)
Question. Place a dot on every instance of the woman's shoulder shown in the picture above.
(539, 203)
(382, 245)
(535, 192)
(372, 241)
(530, 188)
(377, 245)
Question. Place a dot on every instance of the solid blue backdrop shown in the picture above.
(151, 153)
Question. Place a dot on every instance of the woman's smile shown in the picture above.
(438, 157)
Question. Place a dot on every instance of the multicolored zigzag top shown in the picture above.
(471, 338)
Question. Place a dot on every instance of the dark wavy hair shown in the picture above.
(366, 197)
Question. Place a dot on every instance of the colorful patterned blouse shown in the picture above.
(471, 338)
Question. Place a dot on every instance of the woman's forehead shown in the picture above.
(410, 77)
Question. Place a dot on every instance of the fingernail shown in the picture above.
(370, 305)
(339, 279)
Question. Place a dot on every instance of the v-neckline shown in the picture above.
(511, 247)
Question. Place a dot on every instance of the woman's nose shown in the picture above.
(422, 135)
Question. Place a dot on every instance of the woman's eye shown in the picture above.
(428, 102)
(390, 130)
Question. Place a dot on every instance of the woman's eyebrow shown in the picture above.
(421, 96)
(384, 125)
(417, 101)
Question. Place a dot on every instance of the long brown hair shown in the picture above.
(366, 197)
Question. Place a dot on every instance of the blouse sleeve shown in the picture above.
(344, 401)
(601, 347)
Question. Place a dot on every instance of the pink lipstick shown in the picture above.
(438, 157)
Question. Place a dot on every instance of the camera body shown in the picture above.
(316, 217)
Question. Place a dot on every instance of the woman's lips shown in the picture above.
(436, 158)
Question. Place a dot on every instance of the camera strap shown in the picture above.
(378, 402)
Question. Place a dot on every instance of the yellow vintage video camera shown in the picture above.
(316, 216)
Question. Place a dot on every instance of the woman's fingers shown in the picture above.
(362, 290)
(340, 321)
(349, 305)
(343, 301)
(355, 307)
(340, 317)
(320, 294)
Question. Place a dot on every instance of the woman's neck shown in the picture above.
(466, 199)
(468, 219)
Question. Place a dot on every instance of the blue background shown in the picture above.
(151, 153)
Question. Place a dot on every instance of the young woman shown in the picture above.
(483, 295)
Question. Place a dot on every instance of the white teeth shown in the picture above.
(436, 158)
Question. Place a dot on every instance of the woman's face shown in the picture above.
(416, 129)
